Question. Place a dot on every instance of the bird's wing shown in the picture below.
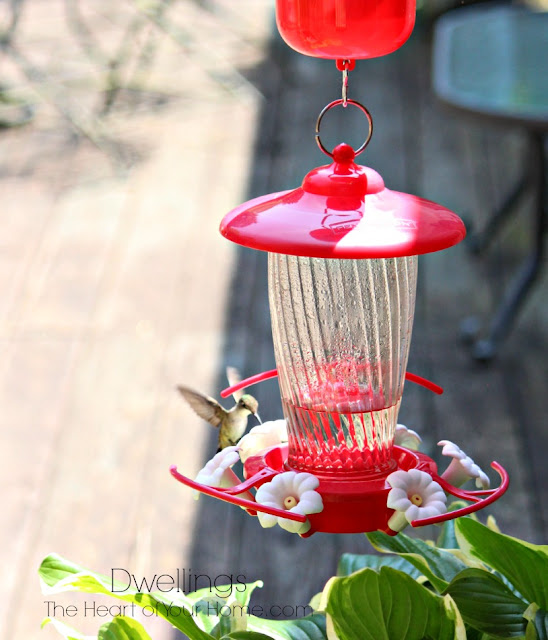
(204, 406)
(234, 377)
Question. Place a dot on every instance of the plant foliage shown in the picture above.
(475, 584)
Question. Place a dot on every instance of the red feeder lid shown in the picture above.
(343, 210)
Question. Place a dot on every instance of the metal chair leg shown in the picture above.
(478, 242)
(485, 349)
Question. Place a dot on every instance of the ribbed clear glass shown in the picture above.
(341, 331)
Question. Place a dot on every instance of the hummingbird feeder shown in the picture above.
(342, 270)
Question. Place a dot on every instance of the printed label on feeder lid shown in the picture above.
(343, 210)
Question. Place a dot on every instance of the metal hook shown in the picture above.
(345, 66)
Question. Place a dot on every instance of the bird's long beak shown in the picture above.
(256, 414)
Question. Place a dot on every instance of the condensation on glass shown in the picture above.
(341, 331)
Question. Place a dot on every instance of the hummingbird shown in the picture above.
(231, 423)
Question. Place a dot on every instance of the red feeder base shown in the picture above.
(352, 503)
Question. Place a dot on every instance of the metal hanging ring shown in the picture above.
(336, 103)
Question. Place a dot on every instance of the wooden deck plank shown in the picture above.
(524, 374)
(47, 302)
(33, 395)
(122, 417)
(22, 236)
(105, 275)
(35, 399)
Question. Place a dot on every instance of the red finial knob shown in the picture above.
(343, 154)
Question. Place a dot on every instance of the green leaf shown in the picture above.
(119, 628)
(243, 596)
(351, 562)
(487, 604)
(207, 605)
(447, 538)
(123, 628)
(315, 601)
(523, 563)
(537, 626)
(58, 574)
(492, 524)
(54, 568)
(383, 606)
(218, 616)
(246, 635)
(308, 628)
(474, 634)
(240, 592)
(207, 611)
(227, 624)
(67, 632)
(437, 565)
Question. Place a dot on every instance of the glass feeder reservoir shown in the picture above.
(341, 330)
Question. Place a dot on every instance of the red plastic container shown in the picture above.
(345, 29)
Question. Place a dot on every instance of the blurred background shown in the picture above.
(128, 130)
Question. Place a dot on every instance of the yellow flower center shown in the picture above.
(416, 499)
(290, 502)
